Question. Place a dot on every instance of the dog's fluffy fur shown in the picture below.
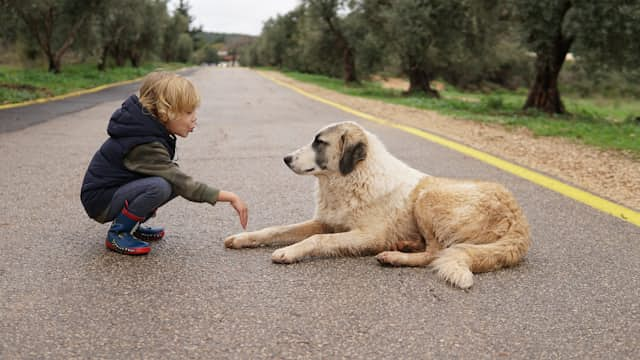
(369, 202)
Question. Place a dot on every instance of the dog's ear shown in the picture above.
(352, 153)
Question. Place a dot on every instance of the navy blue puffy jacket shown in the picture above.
(128, 127)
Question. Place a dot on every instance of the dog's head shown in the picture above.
(337, 148)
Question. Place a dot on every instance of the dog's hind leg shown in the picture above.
(424, 220)
(276, 235)
(397, 258)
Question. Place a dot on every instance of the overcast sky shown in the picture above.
(235, 16)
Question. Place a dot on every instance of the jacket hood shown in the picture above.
(131, 121)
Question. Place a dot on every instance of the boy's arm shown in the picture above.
(153, 159)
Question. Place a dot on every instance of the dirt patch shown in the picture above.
(402, 84)
(609, 174)
(391, 83)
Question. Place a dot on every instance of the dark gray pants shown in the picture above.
(144, 196)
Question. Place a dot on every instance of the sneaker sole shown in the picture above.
(128, 251)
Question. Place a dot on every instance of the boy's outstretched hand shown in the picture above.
(242, 210)
(237, 204)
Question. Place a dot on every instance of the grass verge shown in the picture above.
(604, 123)
(18, 85)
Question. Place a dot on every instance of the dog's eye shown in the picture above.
(317, 142)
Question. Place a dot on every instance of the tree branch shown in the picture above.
(71, 36)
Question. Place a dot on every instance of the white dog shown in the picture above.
(369, 202)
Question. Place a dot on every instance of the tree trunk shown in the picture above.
(135, 56)
(121, 61)
(349, 67)
(54, 64)
(102, 62)
(135, 60)
(349, 62)
(544, 94)
(119, 56)
(420, 82)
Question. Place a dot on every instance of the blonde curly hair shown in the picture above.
(165, 95)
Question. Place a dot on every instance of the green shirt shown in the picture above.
(153, 159)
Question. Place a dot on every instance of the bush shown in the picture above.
(508, 67)
(577, 79)
(184, 47)
(493, 102)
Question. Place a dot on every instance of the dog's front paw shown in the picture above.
(389, 257)
(283, 256)
(239, 241)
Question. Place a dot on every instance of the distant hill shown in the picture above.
(226, 38)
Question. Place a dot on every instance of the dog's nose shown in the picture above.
(288, 159)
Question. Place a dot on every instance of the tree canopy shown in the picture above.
(464, 42)
(115, 32)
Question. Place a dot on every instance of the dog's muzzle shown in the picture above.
(288, 160)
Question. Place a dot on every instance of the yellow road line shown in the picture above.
(542, 180)
(68, 95)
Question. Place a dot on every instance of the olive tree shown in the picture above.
(421, 33)
(276, 39)
(600, 33)
(53, 24)
(328, 11)
(127, 30)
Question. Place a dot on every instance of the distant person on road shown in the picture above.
(134, 171)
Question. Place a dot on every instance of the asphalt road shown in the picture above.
(63, 295)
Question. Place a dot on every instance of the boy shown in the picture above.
(133, 172)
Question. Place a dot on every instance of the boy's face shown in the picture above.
(183, 124)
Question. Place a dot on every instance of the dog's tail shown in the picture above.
(456, 264)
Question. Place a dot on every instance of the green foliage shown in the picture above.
(53, 24)
(323, 40)
(486, 30)
(316, 50)
(277, 38)
(121, 33)
(184, 10)
(417, 30)
(607, 33)
(9, 24)
(473, 44)
(363, 25)
(442, 37)
(582, 80)
(493, 102)
(207, 54)
(110, 32)
(178, 24)
(314, 37)
(184, 48)
(542, 21)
